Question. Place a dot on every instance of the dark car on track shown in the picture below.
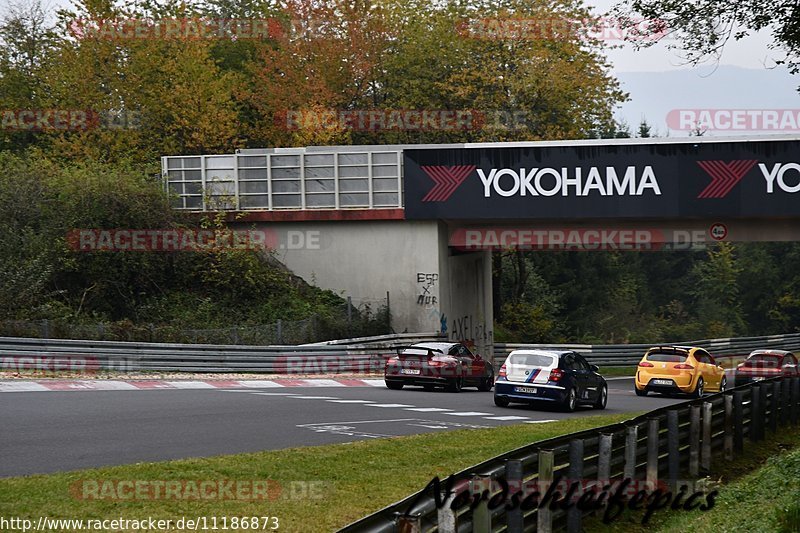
(765, 364)
(452, 365)
(561, 377)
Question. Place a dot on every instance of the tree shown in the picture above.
(704, 27)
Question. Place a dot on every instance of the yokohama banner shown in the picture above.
(692, 178)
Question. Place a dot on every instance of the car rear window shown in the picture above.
(763, 360)
(666, 357)
(530, 359)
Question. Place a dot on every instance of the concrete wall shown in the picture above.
(429, 288)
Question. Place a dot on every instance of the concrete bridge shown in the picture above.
(420, 221)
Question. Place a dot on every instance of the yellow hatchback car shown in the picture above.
(679, 369)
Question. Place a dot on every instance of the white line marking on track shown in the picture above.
(375, 382)
(350, 401)
(259, 383)
(322, 383)
(388, 405)
(468, 413)
(190, 385)
(538, 421)
(620, 377)
(506, 418)
(316, 397)
(356, 422)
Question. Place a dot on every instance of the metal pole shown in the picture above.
(652, 452)
(756, 416)
(705, 450)
(694, 441)
(631, 443)
(481, 517)
(543, 514)
(514, 477)
(728, 441)
(673, 447)
(738, 417)
(574, 514)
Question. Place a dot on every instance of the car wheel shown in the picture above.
(723, 384)
(602, 399)
(642, 392)
(499, 401)
(394, 385)
(571, 402)
(698, 389)
(455, 384)
(487, 383)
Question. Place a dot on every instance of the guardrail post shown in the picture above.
(728, 440)
(446, 518)
(652, 452)
(763, 392)
(756, 414)
(774, 406)
(694, 441)
(673, 449)
(738, 417)
(407, 524)
(544, 517)
(795, 399)
(705, 455)
(481, 517)
(514, 477)
(786, 397)
(631, 443)
(574, 515)
(604, 458)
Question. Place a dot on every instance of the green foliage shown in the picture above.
(613, 297)
(41, 203)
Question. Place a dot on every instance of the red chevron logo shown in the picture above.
(446, 180)
(724, 176)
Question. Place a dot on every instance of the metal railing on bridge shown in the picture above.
(315, 177)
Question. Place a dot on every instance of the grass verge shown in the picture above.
(759, 491)
(617, 371)
(350, 480)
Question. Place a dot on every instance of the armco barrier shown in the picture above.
(362, 355)
(366, 354)
(631, 354)
(668, 447)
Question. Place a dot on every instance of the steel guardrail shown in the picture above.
(667, 447)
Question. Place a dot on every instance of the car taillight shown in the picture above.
(646, 364)
(556, 374)
(683, 366)
(502, 372)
